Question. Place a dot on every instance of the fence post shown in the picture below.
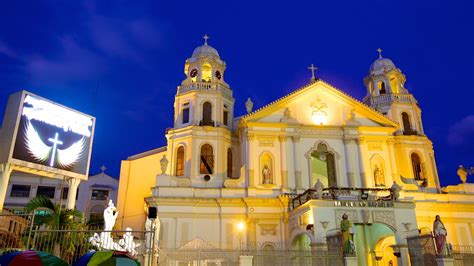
(31, 229)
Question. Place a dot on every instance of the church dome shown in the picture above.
(205, 50)
(381, 63)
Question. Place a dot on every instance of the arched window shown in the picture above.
(229, 162)
(206, 72)
(406, 123)
(180, 161)
(382, 89)
(225, 116)
(185, 113)
(206, 166)
(416, 164)
(207, 114)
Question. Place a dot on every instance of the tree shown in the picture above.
(56, 224)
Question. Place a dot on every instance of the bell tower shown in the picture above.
(387, 94)
(201, 147)
(204, 98)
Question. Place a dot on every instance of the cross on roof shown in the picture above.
(380, 52)
(103, 168)
(205, 37)
(312, 68)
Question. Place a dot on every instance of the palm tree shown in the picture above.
(55, 221)
(55, 217)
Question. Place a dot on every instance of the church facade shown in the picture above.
(282, 176)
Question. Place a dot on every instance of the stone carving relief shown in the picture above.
(268, 229)
(386, 217)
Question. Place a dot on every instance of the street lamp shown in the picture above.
(241, 229)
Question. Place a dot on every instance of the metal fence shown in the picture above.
(422, 250)
(17, 232)
(259, 257)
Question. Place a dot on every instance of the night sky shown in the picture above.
(121, 61)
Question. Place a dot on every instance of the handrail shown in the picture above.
(337, 193)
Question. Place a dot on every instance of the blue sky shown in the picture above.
(122, 60)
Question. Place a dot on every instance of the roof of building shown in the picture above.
(147, 153)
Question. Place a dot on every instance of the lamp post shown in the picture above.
(241, 229)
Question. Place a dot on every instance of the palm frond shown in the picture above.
(40, 202)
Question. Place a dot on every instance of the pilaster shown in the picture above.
(296, 150)
(6, 172)
(71, 196)
(284, 171)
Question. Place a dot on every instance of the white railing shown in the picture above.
(388, 98)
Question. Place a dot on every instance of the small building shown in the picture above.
(91, 198)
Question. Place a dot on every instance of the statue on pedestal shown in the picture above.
(395, 189)
(378, 176)
(267, 175)
(347, 242)
(319, 188)
(440, 234)
(110, 215)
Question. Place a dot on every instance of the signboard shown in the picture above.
(47, 136)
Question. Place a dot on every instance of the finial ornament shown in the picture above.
(103, 168)
(249, 105)
(312, 68)
(379, 50)
(205, 37)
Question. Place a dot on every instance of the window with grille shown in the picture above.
(180, 161)
(207, 160)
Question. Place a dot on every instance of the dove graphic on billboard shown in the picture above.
(54, 136)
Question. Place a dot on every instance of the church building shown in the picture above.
(281, 177)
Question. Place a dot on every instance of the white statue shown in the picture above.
(110, 215)
(319, 188)
(395, 188)
(267, 175)
(148, 234)
(127, 243)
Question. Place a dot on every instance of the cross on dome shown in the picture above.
(205, 37)
(312, 68)
(379, 50)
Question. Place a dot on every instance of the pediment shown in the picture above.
(319, 104)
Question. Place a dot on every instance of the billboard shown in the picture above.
(48, 136)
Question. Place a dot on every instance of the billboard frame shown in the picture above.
(8, 138)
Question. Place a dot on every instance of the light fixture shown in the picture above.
(241, 226)
(322, 156)
(319, 117)
(324, 224)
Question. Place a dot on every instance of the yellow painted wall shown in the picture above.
(137, 177)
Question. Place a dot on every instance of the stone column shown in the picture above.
(250, 159)
(393, 162)
(352, 162)
(71, 195)
(284, 171)
(6, 172)
(404, 258)
(361, 151)
(297, 165)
